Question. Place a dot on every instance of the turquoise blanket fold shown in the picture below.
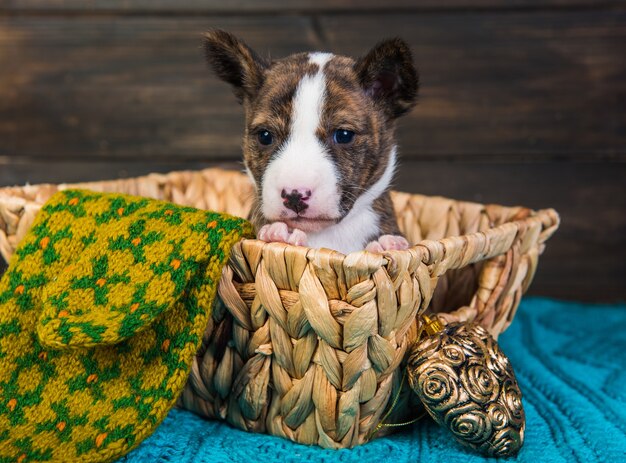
(570, 361)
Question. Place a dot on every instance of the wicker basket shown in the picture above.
(308, 344)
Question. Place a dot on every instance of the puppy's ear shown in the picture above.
(388, 75)
(234, 62)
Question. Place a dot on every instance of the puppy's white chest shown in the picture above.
(349, 235)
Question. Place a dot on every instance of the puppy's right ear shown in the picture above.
(234, 62)
(388, 75)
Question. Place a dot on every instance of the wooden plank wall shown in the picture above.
(522, 102)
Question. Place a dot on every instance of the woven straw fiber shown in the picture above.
(309, 344)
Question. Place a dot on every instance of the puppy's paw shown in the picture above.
(388, 243)
(297, 237)
(274, 232)
(278, 232)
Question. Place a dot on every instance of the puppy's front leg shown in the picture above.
(390, 238)
(278, 232)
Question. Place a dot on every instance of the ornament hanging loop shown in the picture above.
(432, 326)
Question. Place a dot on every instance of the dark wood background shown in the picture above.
(522, 102)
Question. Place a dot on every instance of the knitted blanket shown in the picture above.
(101, 311)
(570, 361)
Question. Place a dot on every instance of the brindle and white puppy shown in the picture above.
(319, 141)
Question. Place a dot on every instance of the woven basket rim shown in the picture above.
(430, 251)
(427, 251)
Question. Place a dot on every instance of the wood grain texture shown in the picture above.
(583, 261)
(542, 85)
(550, 85)
(309, 6)
(131, 87)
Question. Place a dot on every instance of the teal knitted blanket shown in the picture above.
(570, 361)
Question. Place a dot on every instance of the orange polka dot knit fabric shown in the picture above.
(102, 309)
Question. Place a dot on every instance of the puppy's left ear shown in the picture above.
(388, 75)
(234, 62)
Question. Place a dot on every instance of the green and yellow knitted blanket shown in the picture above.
(101, 312)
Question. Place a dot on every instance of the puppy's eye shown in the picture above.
(343, 136)
(265, 137)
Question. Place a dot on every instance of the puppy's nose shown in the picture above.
(295, 200)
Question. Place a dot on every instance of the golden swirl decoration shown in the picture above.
(438, 385)
(467, 385)
(454, 355)
(498, 415)
(480, 383)
(468, 423)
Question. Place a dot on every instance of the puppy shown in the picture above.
(319, 140)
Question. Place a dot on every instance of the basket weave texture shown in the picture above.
(309, 344)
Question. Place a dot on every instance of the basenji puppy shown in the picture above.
(319, 140)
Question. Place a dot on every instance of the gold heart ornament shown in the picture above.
(468, 386)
